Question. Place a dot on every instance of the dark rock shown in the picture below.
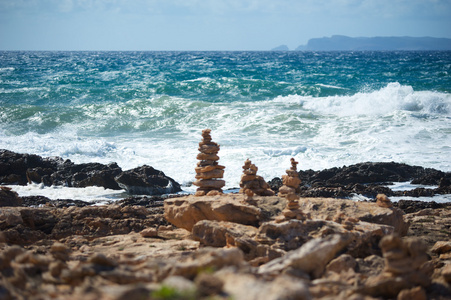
(89, 174)
(364, 173)
(146, 180)
(14, 166)
(369, 179)
(21, 169)
(153, 201)
(275, 184)
(411, 206)
(34, 224)
(37, 201)
(9, 197)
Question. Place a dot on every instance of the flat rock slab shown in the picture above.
(184, 212)
(328, 208)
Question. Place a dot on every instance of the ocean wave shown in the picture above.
(387, 100)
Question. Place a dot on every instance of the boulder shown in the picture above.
(9, 197)
(406, 267)
(311, 258)
(249, 287)
(203, 259)
(327, 208)
(363, 237)
(219, 234)
(146, 180)
(184, 212)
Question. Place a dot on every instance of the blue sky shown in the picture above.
(210, 24)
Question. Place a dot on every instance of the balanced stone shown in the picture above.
(208, 171)
(250, 181)
(291, 183)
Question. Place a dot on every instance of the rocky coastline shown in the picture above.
(223, 246)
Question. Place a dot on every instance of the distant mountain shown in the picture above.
(281, 48)
(346, 43)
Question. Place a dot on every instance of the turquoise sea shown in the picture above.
(325, 109)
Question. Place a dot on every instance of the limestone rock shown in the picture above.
(149, 232)
(204, 259)
(146, 180)
(184, 212)
(311, 258)
(446, 273)
(289, 235)
(327, 209)
(341, 264)
(248, 287)
(441, 247)
(208, 171)
(383, 201)
(219, 234)
(251, 181)
(417, 293)
(406, 266)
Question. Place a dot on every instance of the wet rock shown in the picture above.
(13, 166)
(9, 197)
(369, 179)
(37, 201)
(411, 206)
(369, 172)
(146, 180)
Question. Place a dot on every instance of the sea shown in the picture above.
(325, 109)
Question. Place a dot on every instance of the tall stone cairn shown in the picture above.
(208, 171)
(291, 183)
(251, 181)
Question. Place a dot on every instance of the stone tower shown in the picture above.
(208, 171)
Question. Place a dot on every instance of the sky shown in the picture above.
(210, 24)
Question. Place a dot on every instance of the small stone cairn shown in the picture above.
(291, 183)
(208, 170)
(383, 201)
(251, 183)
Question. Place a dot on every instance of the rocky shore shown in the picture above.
(230, 246)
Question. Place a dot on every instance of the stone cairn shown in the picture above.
(291, 182)
(251, 183)
(383, 201)
(208, 170)
(407, 266)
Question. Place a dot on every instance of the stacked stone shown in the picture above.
(288, 190)
(250, 181)
(291, 183)
(208, 170)
(383, 201)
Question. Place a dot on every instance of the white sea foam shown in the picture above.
(90, 194)
(394, 123)
(393, 97)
